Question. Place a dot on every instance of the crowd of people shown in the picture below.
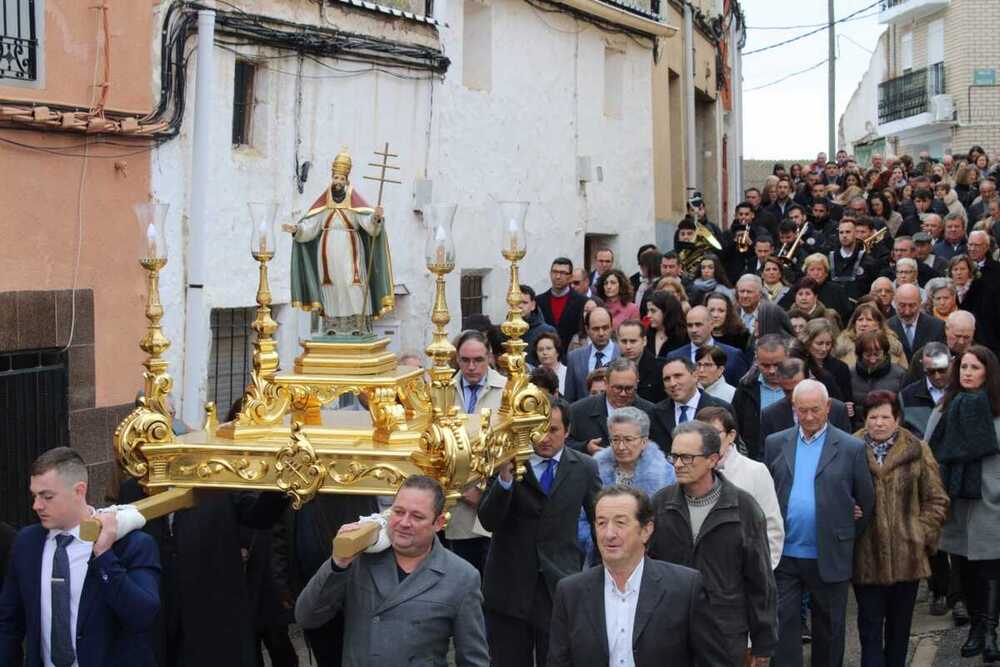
(744, 430)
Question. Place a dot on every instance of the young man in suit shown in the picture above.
(683, 401)
(632, 342)
(588, 417)
(600, 352)
(699, 328)
(71, 602)
(534, 526)
(826, 496)
(560, 305)
(384, 595)
(913, 328)
(632, 610)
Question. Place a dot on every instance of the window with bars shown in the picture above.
(34, 418)
(18, 40)
(243, 90)
(231, 359)
(472, 298)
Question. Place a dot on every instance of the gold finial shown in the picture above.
(342, 163)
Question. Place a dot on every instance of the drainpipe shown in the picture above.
(197, 334)
(689, 99)
(736, 144)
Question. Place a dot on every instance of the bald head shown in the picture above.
(907, 302)
(699, 326)
(959, 329)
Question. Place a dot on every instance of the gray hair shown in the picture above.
(621, 365)
(751, 278)
(936, 352)
(906, 261)
(630, 415)
(809, 385)
(935, 284)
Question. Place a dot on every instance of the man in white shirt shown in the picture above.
(650, 609)
(73, 603)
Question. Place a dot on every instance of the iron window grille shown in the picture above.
(18, 40)
(231, 359)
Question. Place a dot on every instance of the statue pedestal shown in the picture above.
(364, 357)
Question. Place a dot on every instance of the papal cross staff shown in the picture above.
(382, 180)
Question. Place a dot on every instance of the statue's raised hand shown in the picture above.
(291, 229)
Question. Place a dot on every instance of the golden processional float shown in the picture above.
(283, 440)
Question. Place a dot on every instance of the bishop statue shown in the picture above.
(341, 266)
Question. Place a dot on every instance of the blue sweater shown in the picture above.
(800, 525)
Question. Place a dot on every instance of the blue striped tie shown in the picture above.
(62, 633)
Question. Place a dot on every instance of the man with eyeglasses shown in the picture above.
(826, 496)
(561, 305)
(588, 417)
(707, 523)
(477, 386)
(683, 401)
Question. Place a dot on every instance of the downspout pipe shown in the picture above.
(197, 332)
(689, 119)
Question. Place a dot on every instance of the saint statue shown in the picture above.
(340, 259)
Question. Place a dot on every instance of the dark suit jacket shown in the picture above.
(672, 618)
(588, 419)
(929, 328)
(662, 421)
(7, 534)
(118, 604)
(576, 370)
(917, 406)
(651, 377)
(736, 361)
(534, 534)
(569, 324)
(842, 481)
(779, 417)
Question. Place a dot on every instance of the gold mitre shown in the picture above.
(342, 164)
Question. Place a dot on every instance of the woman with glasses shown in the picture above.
(965, 432)
(867, 317)
(710, 367)
(631, 460)
(891, 555)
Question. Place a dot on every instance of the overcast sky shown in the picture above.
(789, 119)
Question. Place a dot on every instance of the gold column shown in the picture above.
(265, 355)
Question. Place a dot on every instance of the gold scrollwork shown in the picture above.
(300, 473)
(264, 402)
(357, 471)
(387, 414)
(143, 426)
(250, 471)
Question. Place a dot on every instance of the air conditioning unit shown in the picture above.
(942, 108)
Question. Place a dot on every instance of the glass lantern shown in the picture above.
(439, 249)
(262, 236)
(514, 236)
(151, 218)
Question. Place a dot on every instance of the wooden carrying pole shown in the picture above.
(350, 543)
(151, 507)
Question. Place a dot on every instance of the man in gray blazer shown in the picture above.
(826, 497)
(600, 352)
(402, 605)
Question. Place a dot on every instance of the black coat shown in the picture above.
(569, 324)
(929, 328)
(651, 378)
(663, 421)
(588, 419)
(7, 534)
(202, 588)
(534, 534)
(832, 295)
(917, 405)
(983, 301)
(672, 618)
(841, 374)
(733, 556)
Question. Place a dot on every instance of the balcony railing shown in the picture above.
(910, 94)
(18, 43)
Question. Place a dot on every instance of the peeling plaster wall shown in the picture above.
(518, 141)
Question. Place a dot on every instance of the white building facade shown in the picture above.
(534, 104)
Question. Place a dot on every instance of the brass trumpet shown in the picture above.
(875, 238)
(743, 241)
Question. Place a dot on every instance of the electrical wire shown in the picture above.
(786, 77)
(808, 25)
(811, 32)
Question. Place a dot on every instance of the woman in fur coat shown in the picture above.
(891, 556)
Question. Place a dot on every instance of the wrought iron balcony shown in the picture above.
(18, 43)
(910, 94)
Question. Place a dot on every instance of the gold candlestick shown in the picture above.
(265, 356)
(154, 343)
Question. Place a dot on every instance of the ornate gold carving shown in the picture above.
(142, 427)
(357, 471)
(300, 472)
(250, 471)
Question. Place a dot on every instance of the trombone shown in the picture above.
(787, 256)
(875, 239)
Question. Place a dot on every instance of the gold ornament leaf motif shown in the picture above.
(247, 470)
(300, 473)
(143, 426)
(357, 471)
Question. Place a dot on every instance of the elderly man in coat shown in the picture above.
(385, 595)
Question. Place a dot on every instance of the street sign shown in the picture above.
(984, 76)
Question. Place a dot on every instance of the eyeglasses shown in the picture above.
(686, 459)
(626, 440)
(936, 371)
(622, 388)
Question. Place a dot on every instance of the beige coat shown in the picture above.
(843, 349)
(910, 507)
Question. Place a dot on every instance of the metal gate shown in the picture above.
(34, 417)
